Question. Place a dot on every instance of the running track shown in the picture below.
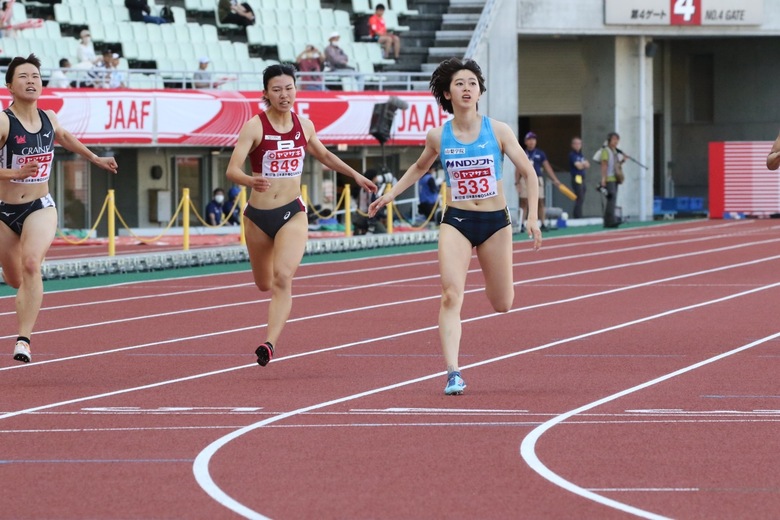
(636, 376)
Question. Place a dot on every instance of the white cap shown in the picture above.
(115, 56)
(203, 60)
(334, 34)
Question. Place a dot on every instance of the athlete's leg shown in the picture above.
(37, 235)
(260, 248)
(289, 246)
(495, 258)
(10, 256)
(454, 260)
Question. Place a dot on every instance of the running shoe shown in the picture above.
(22, 352)
(265, 353)
(455, 384)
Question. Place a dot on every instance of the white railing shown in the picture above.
(485, 19)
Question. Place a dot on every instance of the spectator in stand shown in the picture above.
(230, 11)
(58, 79)
(335, 57)
(310, 60)
(203, 78)
(215, 208)
(377, 30)
(117, 75)
(85, 52)
(141, 12)
(99, 76)
(235, 216)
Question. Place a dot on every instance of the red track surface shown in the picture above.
(635, 376)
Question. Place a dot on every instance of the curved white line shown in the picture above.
(528, 446)
(200, 467)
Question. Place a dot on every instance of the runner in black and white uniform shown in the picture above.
(28, 218)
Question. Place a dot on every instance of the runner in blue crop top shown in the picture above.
(471, 147)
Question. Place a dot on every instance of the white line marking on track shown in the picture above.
(201, 466)
(528, 446)
(437, 295)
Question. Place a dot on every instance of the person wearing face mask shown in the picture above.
(214, 208)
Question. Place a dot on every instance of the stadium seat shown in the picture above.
(62, 14)
(144, 81)
(402, 8)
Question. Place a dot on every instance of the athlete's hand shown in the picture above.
(378, 204)
(366, 184)
(260, 183)
(107, 163)
(532, 226)
(28, 170)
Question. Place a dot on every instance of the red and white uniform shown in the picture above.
(279, 155)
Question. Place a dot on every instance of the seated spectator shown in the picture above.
(85, 52)
(214, 209)
(230, 11)
(58, 79)
(335, 57)
(141, 12)
(235, 216)
(377, 29)
(99, 76)
(116, 75)
(310, 60)
(205, 79)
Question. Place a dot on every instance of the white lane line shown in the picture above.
(350, 272)
(29, 366)
(437, 295)
(645, 490)
(528, 446)
(201, 466)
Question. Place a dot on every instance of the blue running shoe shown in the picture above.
(455, 384)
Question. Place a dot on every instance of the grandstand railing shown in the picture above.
(480, 31)
(233, 80)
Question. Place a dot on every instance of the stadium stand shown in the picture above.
(282, 30)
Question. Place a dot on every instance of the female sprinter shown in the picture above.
(472, 149)
(27, 136)
(276, 141)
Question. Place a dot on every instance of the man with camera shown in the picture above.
(612, 160)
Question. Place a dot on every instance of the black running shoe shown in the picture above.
(264, 353)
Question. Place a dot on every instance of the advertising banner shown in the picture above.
(214, 117)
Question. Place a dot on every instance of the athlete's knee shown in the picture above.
(11, 280)
(263, 285)
(31, 266)
(451, 297)
(502, 302)
(502, 305)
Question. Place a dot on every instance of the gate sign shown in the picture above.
(683, 12)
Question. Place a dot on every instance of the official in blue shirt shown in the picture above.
(541, 165)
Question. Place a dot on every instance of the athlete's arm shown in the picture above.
(70, 143)
(512, 149)
(249, 138)
(773, 159)
(414, 173)
(550, 173)
(330, 160)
